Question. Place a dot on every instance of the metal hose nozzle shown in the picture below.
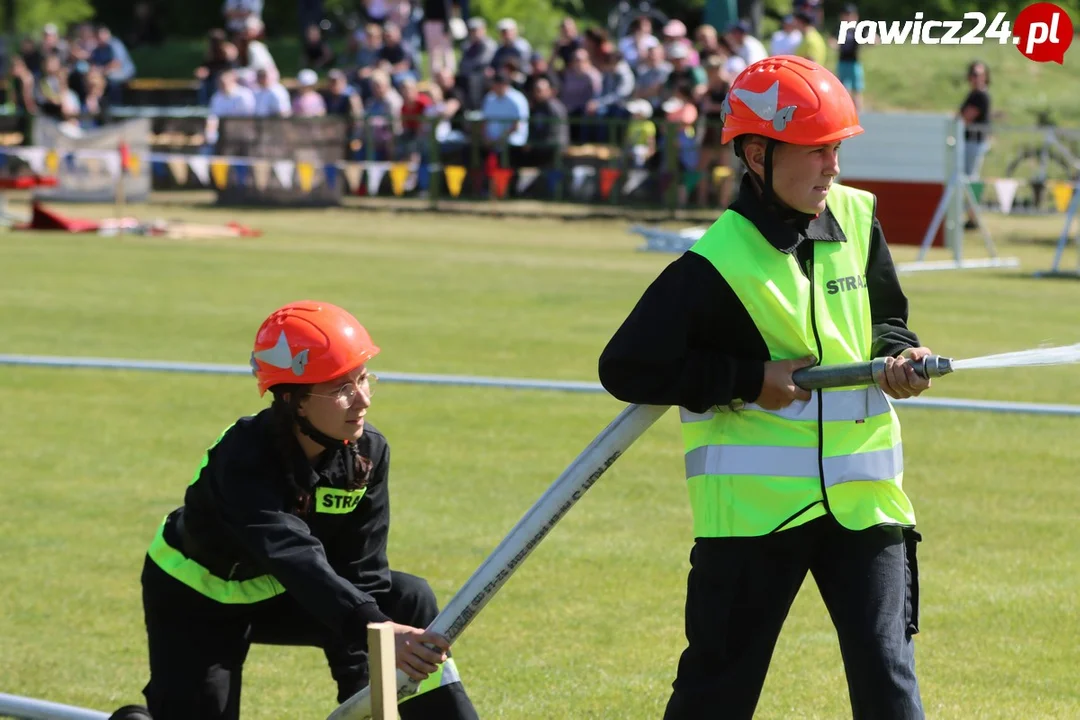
(865, 373)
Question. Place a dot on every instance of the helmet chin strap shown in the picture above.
(769, 197)
(767, 194)
(318, 436)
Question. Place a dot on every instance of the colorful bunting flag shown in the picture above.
(455, 175)
(352, 174)
(179, 168)
(283, 171)
(634, 179)
(305, 173)
(219, 169)
(608, 177)
(376, 171)
(500, 180)
(526, 177)
(399, 173)
(1062, 194)
(1005, 189)
(260, 173)
(200, 166)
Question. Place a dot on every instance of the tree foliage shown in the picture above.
(32, 15)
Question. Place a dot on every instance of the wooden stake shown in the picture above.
(120, 198)
(382, 662)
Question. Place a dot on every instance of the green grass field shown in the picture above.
(591, 626)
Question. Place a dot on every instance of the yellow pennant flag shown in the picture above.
(1062, 195)
(399, 173)
(219, 169)
(52, 162)
(134, 164)
(305, 172)
(455, 175)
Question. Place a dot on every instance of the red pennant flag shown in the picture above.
(608, 177)
(500, 179)
(125, 158)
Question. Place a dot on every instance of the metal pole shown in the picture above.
(31, 709)
(526, 535)
(941, 403)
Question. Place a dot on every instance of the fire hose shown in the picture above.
(864, 373)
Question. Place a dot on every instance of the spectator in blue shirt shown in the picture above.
(121, 69)
(506, 115)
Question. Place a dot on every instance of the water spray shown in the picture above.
(931, 366)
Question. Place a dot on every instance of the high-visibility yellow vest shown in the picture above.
(753, 471)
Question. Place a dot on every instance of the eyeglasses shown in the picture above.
(346, 394)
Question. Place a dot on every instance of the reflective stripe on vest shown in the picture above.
(841, 405)
(201, 580)
(752, 471)
(446, 674)
(198, 578)
(794, 462)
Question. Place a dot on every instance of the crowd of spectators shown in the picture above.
(655, 93)
(74, 79)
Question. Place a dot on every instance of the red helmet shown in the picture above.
(789, 99)
(309, 342)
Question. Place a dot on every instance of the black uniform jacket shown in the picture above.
(241, 518)
(690, 342)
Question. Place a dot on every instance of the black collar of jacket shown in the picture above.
(333, 466)
(784, 228)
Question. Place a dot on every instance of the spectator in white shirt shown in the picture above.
(253, 53)
(271, 97)
(744, 44)
(786, 39)
(231, 100)
(237, 12)
(638, 40)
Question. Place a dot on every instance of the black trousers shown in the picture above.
(738, 595)
(198, 647)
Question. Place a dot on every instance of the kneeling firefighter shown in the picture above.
(282, 538)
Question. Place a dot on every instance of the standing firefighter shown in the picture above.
(282, 537)
(785, 482)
